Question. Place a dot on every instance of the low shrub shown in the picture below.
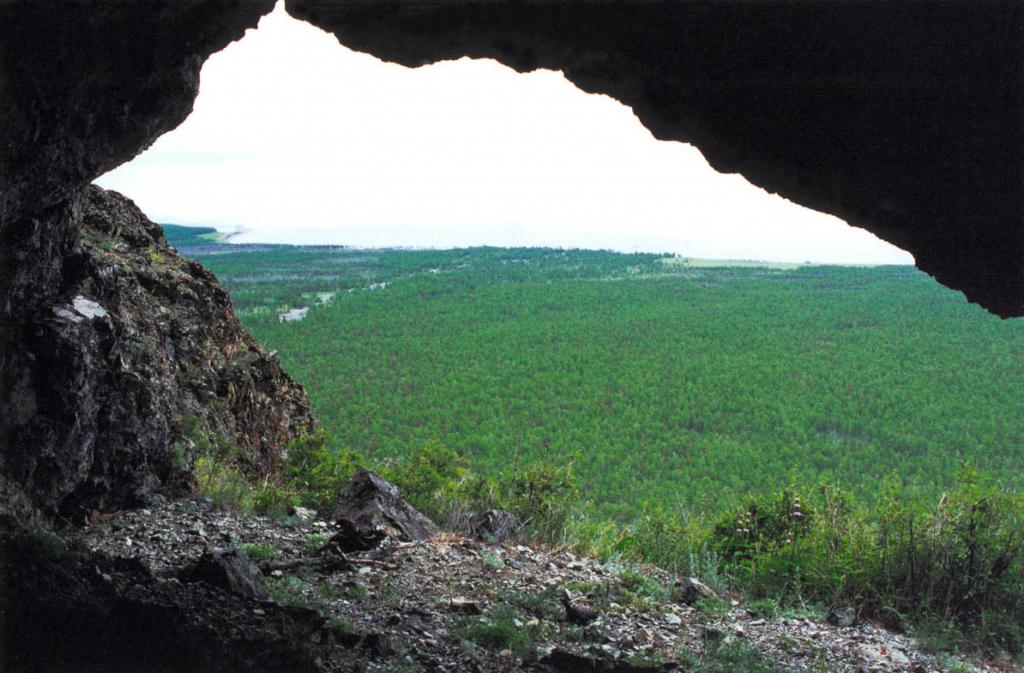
(765, 608)
(441, 484)
(273, 501)
(501, 628)
(544, 496)
(542, 604)
(289, 590)
(316, 472)
(958, 564)
(176, 457)
(206, 443)
(737, 657)
(430, 479)
(711, 606)
(314, 544)
(223, 484)
(764, 526)
(28, 546)
(260, 552)
(341, 627)
(952, 571)
(955, 567)
(665, 538)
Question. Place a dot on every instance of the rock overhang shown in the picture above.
(904, 118)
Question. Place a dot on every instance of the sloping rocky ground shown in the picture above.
(453, 603)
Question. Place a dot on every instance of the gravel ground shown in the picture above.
(458, 604)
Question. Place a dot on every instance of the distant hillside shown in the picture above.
(670, 382)
(202, 242)
(185, 237)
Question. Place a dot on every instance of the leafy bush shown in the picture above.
(763, 526)
(223, 484)
(543, 495)
(206, 443)
(797, 545)
(711, 606)
(765, 608)
(954, 571)
(669, 539)
(314, 544)
(289, 590)
(962, 560)
(273, 501)
(342, 627)
(219, 478)
(430, 479)
(542, 604)
(638, 591)
(177, 460)
(937, 635)
(706, 564)
(315, 471)
(441, 484)
(491, 561)
(951, 569)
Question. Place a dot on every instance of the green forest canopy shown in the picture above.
(669, 381)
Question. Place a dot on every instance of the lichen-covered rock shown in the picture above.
(134, 364)
(565, 661)
(370, 501)
(691, 590)
(842, 615)
(355, 537)
(492, 525)
(230, 570)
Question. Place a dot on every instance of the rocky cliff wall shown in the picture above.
(86, 86)
(133, 356)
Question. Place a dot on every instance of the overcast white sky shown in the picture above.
(296, 139)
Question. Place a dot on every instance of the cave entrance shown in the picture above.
(296, 139)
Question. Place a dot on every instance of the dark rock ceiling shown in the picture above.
(904, 118)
